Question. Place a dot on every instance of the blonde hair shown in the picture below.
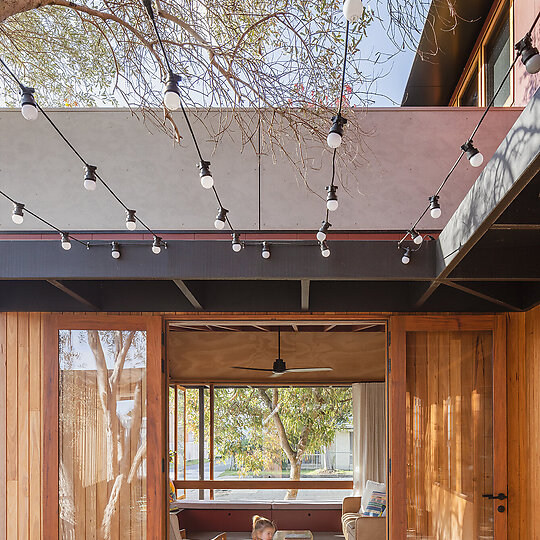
(259, 524)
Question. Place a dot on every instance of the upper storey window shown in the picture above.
(491, 60)
(497, 62)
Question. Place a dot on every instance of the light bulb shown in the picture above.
(473, 155)
(172, 100)
(90, 178)
(236, 245)
(265, 251)
(336, 131)
(529, 54)
(331, 198)
(533, 64)
(17, 216)
(221, 217)
(156, 245)
(476, 160)
(29, 112)
(207, 182)
(66, 243)
(28, 104)
(434, 207)
(406, 259)
(321, 234)
(353, 10)
(418, 239)
(171, 95)
(333, 140)
(131, 223)
(332, 205)
(325, 250)
(115, 251)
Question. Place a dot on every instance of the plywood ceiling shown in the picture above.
(208, 356)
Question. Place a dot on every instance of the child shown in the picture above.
(263, 529)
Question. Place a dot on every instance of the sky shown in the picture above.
(397, 69)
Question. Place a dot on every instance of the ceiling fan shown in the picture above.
(280, 368)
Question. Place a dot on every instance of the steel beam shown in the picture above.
(305, 294)
(214, 259)
(70, 292)
(188, 294)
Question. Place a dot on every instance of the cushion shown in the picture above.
(367, 495)
(172, 492)
(377, 504)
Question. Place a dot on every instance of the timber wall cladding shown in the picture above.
(20, 425)
(523, 391)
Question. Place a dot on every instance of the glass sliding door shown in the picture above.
(104, 452)
(102, 434)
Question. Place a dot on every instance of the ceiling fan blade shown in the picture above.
(277, 374)
(309, 369)
(252, 368)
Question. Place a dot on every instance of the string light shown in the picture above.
(529, 54)
(406, 259)
(331, 198)
(325, 250)
(221, 217)
(435, 207)
(156, 245)
(115, 250)
(353, 10)
(322, 232)
(66, 243)
(90, 177)
(131, 223)
(416, 237)
(28, 104)
(335, 135)
(17, 216)
(236, 245)
(265, 253)
(171, 92)
(473, 155)
(207, 182)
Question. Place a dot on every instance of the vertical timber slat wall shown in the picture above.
(20, 426)
(523, 421)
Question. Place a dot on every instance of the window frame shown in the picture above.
(477, 60)
(212, 484)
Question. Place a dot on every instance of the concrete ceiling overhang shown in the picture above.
(486, 260)
(444, 48)
(383, 183)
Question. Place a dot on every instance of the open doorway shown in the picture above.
(291, 442)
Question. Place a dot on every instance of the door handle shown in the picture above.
(499, 497)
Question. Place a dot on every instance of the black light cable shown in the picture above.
(19, 209)
(90, 170)
(467, 148)
(204, 165)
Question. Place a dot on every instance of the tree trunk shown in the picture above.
(294, 475)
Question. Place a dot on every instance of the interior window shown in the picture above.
(497, 62)
(469, 97)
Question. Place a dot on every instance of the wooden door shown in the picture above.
(447, 423)
(104, 428)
